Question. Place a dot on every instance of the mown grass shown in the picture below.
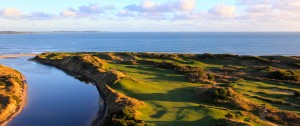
(168, 97)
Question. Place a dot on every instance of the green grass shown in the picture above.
(170, 99)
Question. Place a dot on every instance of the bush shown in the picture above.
(284, 75)
(229, 116)
(2, 84)
(210, 76)
(125, 117)
(195, 77)
(17, 99)
(220, 93)
(296, 93)
(233, 85)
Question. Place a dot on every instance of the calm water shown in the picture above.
(235, 43)
(54, 98)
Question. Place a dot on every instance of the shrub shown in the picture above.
(17, 99)
(284, 75)
(4, 100)
(296, 93)
(49, 56)
(220, 93)
(125, 117)
(2, 84)
(229, 116)
(211, 76)
(233, 85)
(195, 77)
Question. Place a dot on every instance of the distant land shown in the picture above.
(83, 31)
(14, 32)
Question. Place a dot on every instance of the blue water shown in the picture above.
(54, 97)
(234, 43)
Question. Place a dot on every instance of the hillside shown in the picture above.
(190, 89)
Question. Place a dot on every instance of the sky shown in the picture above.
(150, 15)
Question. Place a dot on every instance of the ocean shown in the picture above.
(242, 43)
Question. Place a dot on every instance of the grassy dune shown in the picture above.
(12, 93)
(202, 89)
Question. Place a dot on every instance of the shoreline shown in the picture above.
(21, 106)
(15, 55)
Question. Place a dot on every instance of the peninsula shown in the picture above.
(189, 89)
(13, 93)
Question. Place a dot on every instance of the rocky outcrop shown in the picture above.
(84, 65)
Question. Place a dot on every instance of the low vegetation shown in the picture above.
(11, 91)
(191, 89)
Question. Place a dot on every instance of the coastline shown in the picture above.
(106, 77)
(20, 106)
(113, 101)
(16, 55)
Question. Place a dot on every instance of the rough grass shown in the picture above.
(10, 91)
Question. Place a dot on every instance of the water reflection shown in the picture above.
(54, 97)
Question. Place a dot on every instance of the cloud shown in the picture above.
(223, 11)
(68, 13)
(187, 5)
(259, 9)
(270, 10)
(254, 2)
(110, 7)
(39, 16)
(14, 13)
(287, 5)
(125, 13)
(10, 12)
(89, 10)
(171, 6)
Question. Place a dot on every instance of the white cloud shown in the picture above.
(68, 13)
(259, 9)
(171, 6)
(287, 5)
(11, 12)
(125, 13)
(90, 9)
(187, 5)
(38, 16)
(223, 11)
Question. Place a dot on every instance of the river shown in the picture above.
(54, 97)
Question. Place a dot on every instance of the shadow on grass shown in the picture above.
(205, 121)
(158, 74)
(159, 114)
(176, 95)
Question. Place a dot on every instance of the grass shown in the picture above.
(10, 91)
(170, 99)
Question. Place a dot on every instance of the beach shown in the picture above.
(15, 55)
